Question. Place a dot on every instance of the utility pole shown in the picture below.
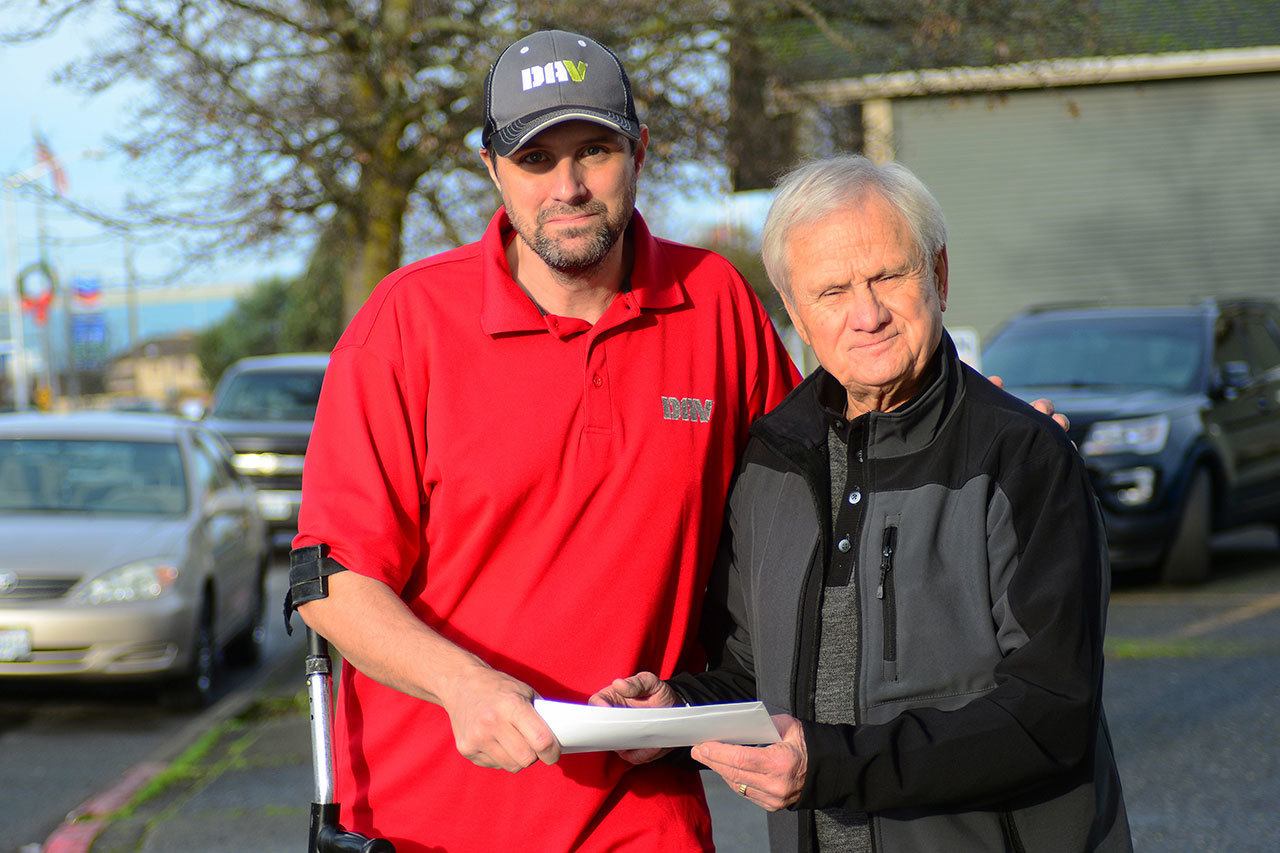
(62, 295)
(17, 347)
(21, 391)
(131, 290)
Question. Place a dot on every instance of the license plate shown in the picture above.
(15, 645)
(275, 507)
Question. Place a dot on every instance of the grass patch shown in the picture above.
(278, 706)
(1192, 647)
(193, 764)
(185, 768)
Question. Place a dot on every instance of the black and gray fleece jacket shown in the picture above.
(981, 570)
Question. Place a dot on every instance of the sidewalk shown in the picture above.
(246, 784)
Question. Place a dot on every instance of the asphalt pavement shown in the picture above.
(1192, 696)
(246, 784)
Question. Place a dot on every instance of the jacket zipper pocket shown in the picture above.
(1012, 840)
(889, 606)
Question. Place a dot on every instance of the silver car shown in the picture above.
(129, 548)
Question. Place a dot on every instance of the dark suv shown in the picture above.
(1175, 410)
(264, 407)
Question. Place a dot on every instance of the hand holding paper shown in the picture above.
(642, 690)
(586, 728)
(772, 777)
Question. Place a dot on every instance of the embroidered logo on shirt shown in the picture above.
(686, 409)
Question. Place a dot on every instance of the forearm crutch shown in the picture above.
(309, 570)
(326, 836)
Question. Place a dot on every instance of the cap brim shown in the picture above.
(516, 135)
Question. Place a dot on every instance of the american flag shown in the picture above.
(45, 155)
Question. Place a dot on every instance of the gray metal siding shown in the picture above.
(1136, 194)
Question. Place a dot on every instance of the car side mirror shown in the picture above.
(192, 410)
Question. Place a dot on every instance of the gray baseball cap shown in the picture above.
(549, 77)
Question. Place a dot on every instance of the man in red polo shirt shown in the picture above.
(521, 455)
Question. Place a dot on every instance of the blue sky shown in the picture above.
(78, 128)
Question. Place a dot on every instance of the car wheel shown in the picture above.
(1187, 561)
(194, 688)
(245, 648)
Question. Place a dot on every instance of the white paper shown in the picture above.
(587, 728)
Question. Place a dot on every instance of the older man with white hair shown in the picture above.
(913, 569)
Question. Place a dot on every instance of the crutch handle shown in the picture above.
(333, 840)
(327, 837)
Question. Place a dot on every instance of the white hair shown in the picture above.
(817, 189)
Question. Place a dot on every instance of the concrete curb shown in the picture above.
(86, 822)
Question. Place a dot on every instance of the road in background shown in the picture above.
(1193, 699)
(62, 743)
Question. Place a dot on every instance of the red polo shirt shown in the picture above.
(547, 494)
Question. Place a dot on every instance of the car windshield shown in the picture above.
(92, 476)
(1099, 352)
(271, 395)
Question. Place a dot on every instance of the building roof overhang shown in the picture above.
(1038, 74)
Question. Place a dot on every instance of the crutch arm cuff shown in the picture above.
(309, 571)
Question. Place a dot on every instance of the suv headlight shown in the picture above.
(141, 581)
(1139, 435)
(267, 463)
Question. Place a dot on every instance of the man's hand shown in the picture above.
(773, 775)
(642, 690)
(494, 724)
(1044, 406)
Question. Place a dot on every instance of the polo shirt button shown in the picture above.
(596, 380)
(855, 496)
(844, 545)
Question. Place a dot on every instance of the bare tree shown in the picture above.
(269, 120)
(345, 122)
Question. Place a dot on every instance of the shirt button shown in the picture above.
(844, 545)
(596, 380)
(859, 455)
(855, 496)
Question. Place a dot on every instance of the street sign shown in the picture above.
(88, 290)
(89, 340)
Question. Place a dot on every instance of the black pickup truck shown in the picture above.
(264, 407)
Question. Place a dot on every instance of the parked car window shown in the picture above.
(204, 470)
(1160, 352)
(1231, 344)
(92, 476)
(225, 475)
(1264, 345)
(270, 395)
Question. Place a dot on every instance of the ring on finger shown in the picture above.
(742, 789)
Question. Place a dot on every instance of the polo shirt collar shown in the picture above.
(506, 308)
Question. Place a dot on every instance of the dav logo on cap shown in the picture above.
(561, 71)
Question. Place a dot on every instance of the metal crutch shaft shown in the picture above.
(325, 834)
